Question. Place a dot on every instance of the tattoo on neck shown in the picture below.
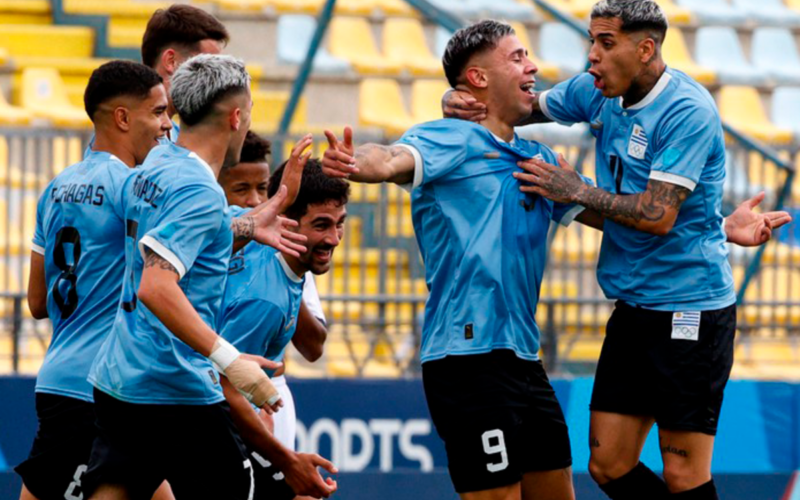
(243, 228)
(152, 259)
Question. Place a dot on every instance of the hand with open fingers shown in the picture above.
(338, 160)
(276, 231)
(304, 478)
(462, 105)
(560, 184)
(293, 172)
(747, 228)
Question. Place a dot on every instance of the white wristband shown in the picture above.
(223, 354)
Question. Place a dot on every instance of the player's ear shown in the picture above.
(169, 61)
(122, 118)
(476, 77)
(236, 118)
(647, 50)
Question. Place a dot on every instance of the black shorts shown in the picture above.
(270, 481)
(650, 366)
(498, 417)
(61, 448)
(194, 447)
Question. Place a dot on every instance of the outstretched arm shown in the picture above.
(747, 228)
(653, 211)
(264, 225)
(370, 163)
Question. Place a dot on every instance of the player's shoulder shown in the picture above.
(172, 166)
(443, 128)
(688, 96)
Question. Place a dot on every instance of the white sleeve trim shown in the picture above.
(311, 298)
(165, 253)
(673, 179)
(418, 174)
(573, 212)
(546, 110)
(36, 248)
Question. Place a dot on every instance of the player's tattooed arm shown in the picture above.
(459, 103)
(653, 211)
(243, 228)
(370, 163)
(152, 259)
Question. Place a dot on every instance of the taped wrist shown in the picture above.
(245, 375)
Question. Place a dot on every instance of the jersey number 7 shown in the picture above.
(131, 231)
(65, 290)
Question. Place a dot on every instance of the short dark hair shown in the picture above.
(636, 16)
(466, 42)
(181, 26)
(255, 148)
(118, 78)
(316, 188)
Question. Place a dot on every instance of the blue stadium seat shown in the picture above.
(737, 186)
(504, 9)
(769, 12)
(442, 37)
(774, 52)
(294, 36)
(786, 108)
(718, 48)
(563, 47)
(460, 8)
(715, 12)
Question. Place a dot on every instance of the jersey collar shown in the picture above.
(288, 270)
(91, 152)
(651, 96)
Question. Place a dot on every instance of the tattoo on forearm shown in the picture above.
(674, 451)
(628, 210)
(370, 155)
(152, 259)
(243, 228)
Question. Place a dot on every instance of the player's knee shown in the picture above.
(682, 475)
(606, 467)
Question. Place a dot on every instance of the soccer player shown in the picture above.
(246, 186)
(265, 292)
(661, 167)
(484, 245)
(75, 275)
(158, 399)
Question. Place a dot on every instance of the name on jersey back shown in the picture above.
(79, 193)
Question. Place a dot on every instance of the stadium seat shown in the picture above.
(268, 109)
(243, 5)
(741, 107)
(369, 7)
(380, 104)
(404, 43)
(677, 56)
(774, 284)
(547, 71)
(294, 36)
(583, 8)
(719, 49)
(351, 39)
(25, 12)
(563, 47)
(12, 115)
(504, 9)
(47, 41)
(793, 4)
(737, 186)
(426, 99)
(43, 93)
(774, 52)
(769, 12)
(442, 37)
(126, 31)
(715, 12)
(461, 8)
(786, 108)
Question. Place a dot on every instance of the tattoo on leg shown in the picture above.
(594, 443)
(243, 228)
(674, 451)
(152, 259)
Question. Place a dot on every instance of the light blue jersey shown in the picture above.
(483, 241)
(177, 210)
(80, 230)
(262, 302)
(673, 135)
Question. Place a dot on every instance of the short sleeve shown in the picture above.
(237, 211)
(38, 243)
(438, 148)
(573, 101)
(311, 298)
(249, 324)
(684, 144)
(189, 221)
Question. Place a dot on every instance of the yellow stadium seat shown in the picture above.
(741, 107)
(268, 109)
(125, 8)
(355, 7)
(395, 8)
(47, 41)
(44, 94)
(243, 5)
(3, 56)
(126, 31)
(12, 115)
(774, 284)
(546, 70)
(351, 39)
(381, 105)
(582, 9)
(426, 99)
(404, 43)
(677, 56)
(793, 4)
(781, 254)
(296, 6)
(576, 244)
(25, 12)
